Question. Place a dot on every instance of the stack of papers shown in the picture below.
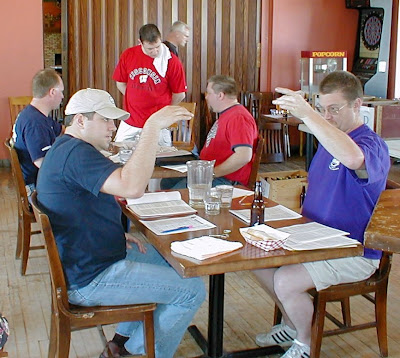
(204, 247)
(159, 204)
(312, 236)
(278, 212)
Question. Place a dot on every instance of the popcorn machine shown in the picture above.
(315, 65)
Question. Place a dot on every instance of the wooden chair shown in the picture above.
(274, 143)
(256, 163)
(258, 103)
(25, 214)
(182, 132)
(377, 284)
(66, 317)
(17, 104)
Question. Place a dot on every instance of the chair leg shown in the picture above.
(64, 338)
(18, 251)
(148, 326)
(53, 342)
(317, 329)
(345, 303)
(26, 243)
(380, 316)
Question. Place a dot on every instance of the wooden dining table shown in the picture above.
(161, 173)
(247, 258)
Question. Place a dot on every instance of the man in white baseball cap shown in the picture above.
(76, 188)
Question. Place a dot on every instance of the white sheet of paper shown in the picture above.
(237, 192)
(336, 241)
(155, 197)
(278, 212)
(182, 168)
(186, 223)
(309, 232)
(204, 247)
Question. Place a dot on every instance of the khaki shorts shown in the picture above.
(345, 270)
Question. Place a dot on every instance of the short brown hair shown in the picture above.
(342, 81)
(224, 84)
(44, 81)
(149, 33)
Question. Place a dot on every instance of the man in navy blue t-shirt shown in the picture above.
(34, 131)
(346, 177)
(76, 188)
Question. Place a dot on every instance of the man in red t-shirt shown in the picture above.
(232, 140)
(149, 77)
(233, 137)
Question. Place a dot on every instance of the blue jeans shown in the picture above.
(146, 278)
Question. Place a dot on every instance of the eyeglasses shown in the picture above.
(333, 110)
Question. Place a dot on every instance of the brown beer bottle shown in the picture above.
(257, 207)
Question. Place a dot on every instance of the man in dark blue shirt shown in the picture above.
(34, 131)
(76, 188)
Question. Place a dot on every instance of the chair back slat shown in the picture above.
(18, 176)
(258, 103)
(256, 162)
(274, 148)
(17, 104)
(59, 287)
(182, 132)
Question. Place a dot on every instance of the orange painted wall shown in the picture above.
(301, 25)
(21, 55)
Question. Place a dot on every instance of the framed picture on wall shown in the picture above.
(355, 4)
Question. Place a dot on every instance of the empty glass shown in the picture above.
(226, 192)
(212, 202)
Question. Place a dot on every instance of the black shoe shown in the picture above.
(112, 350)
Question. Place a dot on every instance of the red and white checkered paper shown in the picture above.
(267, 245)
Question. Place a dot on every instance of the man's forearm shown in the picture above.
(177, 98)
(233, 163)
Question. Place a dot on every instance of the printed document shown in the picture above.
(204, 247)
(159, 204)
(177, 225)
(312, 236)
(278, 212)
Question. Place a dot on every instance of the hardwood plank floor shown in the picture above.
(25, 301)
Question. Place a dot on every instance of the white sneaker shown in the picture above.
(297, 350)
(280, 334)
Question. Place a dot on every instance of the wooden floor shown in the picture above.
(25, 301)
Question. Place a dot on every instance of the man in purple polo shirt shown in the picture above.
(346, 177)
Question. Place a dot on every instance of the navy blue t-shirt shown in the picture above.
(34, 133)
(337, 197)
(86, 222)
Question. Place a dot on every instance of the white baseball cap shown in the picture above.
(95, 100)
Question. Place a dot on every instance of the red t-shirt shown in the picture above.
(147, 91)
(235, 127)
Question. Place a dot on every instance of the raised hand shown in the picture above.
(294, 102)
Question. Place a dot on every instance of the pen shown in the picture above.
(246, 196)
(177, 229)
